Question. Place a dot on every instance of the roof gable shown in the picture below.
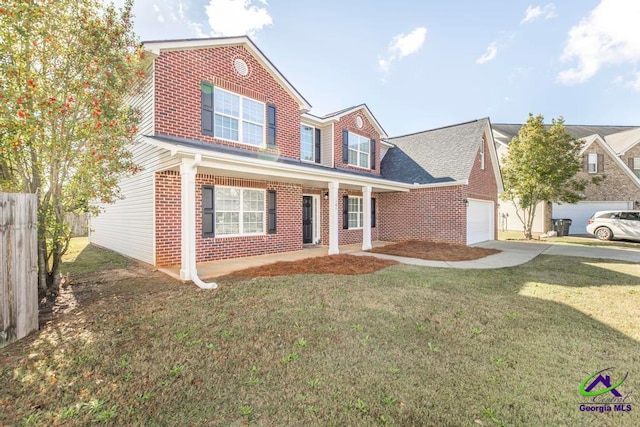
(438, 155)
(622, 142)
(158, 46)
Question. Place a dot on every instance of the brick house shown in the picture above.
(611, 152)
(235, 165)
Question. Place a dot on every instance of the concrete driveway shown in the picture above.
(516, 253)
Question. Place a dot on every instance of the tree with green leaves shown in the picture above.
(66, 70)
(541, 166)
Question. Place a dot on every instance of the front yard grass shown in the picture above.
(405, 345)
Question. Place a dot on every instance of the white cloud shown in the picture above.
(491, 53)
(237, 17)
(607, 36)
(401, 46)
(533, 12)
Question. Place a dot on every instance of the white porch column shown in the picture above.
(333, 218)
(366, 221)
(188, 192)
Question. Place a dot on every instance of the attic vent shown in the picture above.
(359, 122)
(241, 67)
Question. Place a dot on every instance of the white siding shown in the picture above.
(508, 219)
(326, 146)
(144, 101)
(128, 225)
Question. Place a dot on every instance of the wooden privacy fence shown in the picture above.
(18, 266)
(79, 223)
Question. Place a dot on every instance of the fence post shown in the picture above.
(18, 266)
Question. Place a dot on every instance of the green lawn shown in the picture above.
(402, 346)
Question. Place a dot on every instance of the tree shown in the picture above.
(541, 166)
(66, 69)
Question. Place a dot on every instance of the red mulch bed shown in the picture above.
(331, 264)
(435, 251)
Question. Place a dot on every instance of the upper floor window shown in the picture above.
(482, 154)
(307, 143)
(592, 163)
(233, 117)
(359, 150)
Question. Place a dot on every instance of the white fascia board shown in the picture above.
(369, 115)
(588, 140)
(316, 121)
(156, 47)
(613, 155)
(493, 153)
(271, 168)
(386, 144)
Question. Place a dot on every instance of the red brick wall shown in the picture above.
(348, 122)
(168, 238)
(177, 94)
(168, 218)
(435, 214)
(482, 183)
(345, 237)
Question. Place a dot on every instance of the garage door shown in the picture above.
(582, 211)
(480, 221)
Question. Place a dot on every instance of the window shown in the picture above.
(592, 163)
(237, 118)
(482, 154)
(239, 211)
(307, 144)
(355, 212)
(359, 150)
(634, 164)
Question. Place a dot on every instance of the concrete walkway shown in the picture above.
(513, 253)
(516, 253)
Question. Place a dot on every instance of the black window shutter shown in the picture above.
(271, 124)
(206, 110)
(345, 146)
(631, 163)
(271, 211)
(373, 213)
(208, 211)
(345, 212)
(317, 142)
(600, 162)
(373, 154)
(586, 163)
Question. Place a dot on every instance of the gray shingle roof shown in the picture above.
(577, 131)
(438, 155)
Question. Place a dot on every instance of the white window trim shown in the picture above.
(314, 143)
(241, 211)
(482, 155)
(636, 166)
(241, 119)
(589, 163)
(368, 167)
(361, 212)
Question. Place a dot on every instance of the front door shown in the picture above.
(307, 219)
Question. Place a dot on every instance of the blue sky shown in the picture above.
(424, 64)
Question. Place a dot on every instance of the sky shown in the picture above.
(420, 65)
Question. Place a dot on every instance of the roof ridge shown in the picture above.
(439, 128)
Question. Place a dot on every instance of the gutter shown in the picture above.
(188, 170)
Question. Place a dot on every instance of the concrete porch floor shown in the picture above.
(209, 270)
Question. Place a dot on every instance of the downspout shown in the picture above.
(188, 170)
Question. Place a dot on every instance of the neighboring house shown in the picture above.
(234, 165)
(611, 152)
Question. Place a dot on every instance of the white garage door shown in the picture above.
(480, 221)
(582, 211)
